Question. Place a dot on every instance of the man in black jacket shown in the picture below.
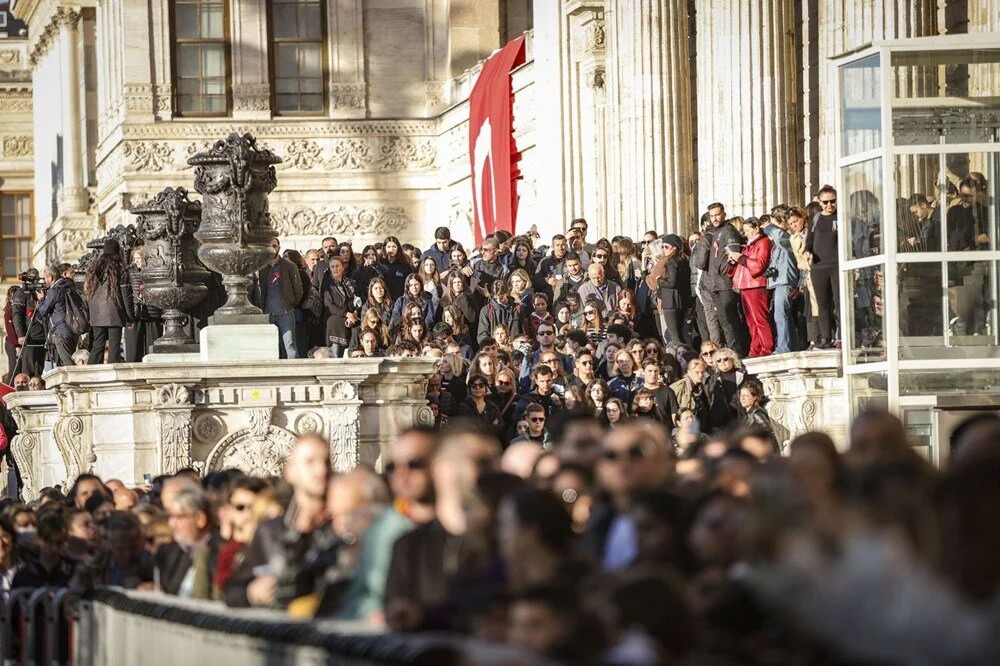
(721, 239)
(30, 331)
(186, 565)
(53, 309)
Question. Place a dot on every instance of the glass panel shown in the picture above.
(970, 195)
(866, 323)
(950, 381)
(921, 310)
(310, 60)
(311, 85)
(10, 268)
(282, 86)
(186, 20)
(310, 23)
(918, 216)
(213, 60)
(284, 20)
(285, 60)
(212, 25)
(188, 103)
(215, 104)
(860, 208)
(7, 220)
(189, 86)
(311, 103)
(946, 96)
(971, 303)
(862, 114)
(919, 427)
(188, 56)
(7, 205)
(868, 391)
(287, 102)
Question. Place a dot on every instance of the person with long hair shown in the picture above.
(644, 406)
(338, 299)
(346, 253)
(414, 295)
(593, 322)
(615, 411)
(627, 262)
(520, 256)
(604, 255)
(501, 335)
(395, 267)
(476, 406)
(625, 381)
(11, 344)
(505, 398)
(751, 283)
(628, 307)
(370, 321)
(428, 274)
(459, 263)
(457, 294)
(414, 330)
(484, 365)
(598, 392)
(367, 270)
(520, 288)
(378, 300)
(452, 316)
(108, 291)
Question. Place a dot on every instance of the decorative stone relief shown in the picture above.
(595, 79)
(305, 221)
(184, 130)
(596, 38)
(302, 155)
(207, 428)
(24, 446)
(343, 408)
(252, 97)
(72, 243)
(350, 154)
(308, 423)
(73, 447)
(348, 95)
(147, 155)
(425, 416)
(18, 146)
(342, 391)
(15, 101)
(138, 98)
(260, 449)
(402, 153)
(435, 93)
(163, 101)
(174, 413)
(40, 45)
(173, 395)
(10, 57)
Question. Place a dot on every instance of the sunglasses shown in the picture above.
(544, 332)
(414, 465)
(477, 386)
(537, 419)
(632, 453)
(706, 353)
(600, 256)
(589, 312)
(828, 202)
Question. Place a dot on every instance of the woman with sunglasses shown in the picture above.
(593, 322)
(604, 255)
(477, 406)
(505, 397)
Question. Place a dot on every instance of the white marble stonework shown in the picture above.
(126, 420)
(807, 392)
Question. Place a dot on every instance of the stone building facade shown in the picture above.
(635, 113)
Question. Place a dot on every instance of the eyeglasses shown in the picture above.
(723, 359)
(632, 453)
(589, 312)
(600, 256)
(477, 385)
(414, 465)
(537, 419)
(828, 202)
(544, 332)
(707, 354)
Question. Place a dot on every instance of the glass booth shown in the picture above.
(918, 137)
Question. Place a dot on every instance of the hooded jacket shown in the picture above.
(494, 313)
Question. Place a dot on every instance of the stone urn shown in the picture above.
(173, 278)
(234, 178)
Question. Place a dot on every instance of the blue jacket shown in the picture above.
(442, 259)
(782, 258)
(53, 306)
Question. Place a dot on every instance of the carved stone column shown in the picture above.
(342, 409)
(173, 441)
(25, 450)
(348, 87)
(649, 139)
(747, 105)
(72, 194)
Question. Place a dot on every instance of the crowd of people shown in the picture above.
(599, 547)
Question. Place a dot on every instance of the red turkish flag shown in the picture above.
(492, 152)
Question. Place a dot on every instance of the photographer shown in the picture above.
(53, 308)
(30, 333)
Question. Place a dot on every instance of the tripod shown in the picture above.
(27, 333)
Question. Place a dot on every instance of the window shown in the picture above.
(297, 56)
(201, 58)
(17, 232)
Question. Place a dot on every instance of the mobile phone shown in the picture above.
(147, 478)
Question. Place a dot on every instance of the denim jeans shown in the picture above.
(286, 330)
(783, 322)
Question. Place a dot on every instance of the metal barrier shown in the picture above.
(109, 626)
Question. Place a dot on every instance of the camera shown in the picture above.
(771, 272)
(31, 281)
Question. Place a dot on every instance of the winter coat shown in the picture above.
(111, 309)
(338, 300)
(782, 258)
(494, 313)
(749, 270)
(53, 306)
(717, 274)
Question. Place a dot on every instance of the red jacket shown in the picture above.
(749, 270)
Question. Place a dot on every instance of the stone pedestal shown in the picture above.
(239, 342)
(123, 421)
(806, 391)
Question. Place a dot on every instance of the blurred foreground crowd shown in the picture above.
(607, 546)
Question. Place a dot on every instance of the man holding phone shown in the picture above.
(718, 280)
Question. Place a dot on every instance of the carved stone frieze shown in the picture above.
(302, 155)
(10, 57)
(252, 97)
(348, 95)
(147, 155)
(350, 154)
(402, 153)
(18, 146)
(343, 411)
(306, 221)
(67, 17)
(193, 130)
(260, 449)
(15, 101)
(174, 441)
(173, 395)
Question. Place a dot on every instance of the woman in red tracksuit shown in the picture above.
(749, 280)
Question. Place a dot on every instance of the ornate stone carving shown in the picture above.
(252, 97)
(72, 243)
(342, 391)
(348, 95)
(594, 79)
(435, 93)
(173, 278)
(67, 17)
(72, 445)
(350, 154)
(207, 428)
(303, 221)
(235, 177)
(24, 446)
(260, 420)
(425, 416)
(163, 101)
(344, 437)
(401, 153)
(174, 442)
(308, 423)
(147, 155)
(173, 395)
(18, 146)
(596, 38)
(10, 57)
(302, 155)
(15, 101)
(259, 449)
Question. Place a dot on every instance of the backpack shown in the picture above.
(77, 312)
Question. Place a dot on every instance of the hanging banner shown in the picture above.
(492, 152)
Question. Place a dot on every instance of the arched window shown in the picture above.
(297, 60)
(201, 57)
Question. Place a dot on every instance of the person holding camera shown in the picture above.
(53, 308)
(747, 270)
(782, 278)
(30, 330)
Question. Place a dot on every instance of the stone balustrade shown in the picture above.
(126, 420)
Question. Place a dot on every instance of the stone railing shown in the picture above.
(123, 421)
(806, 391)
